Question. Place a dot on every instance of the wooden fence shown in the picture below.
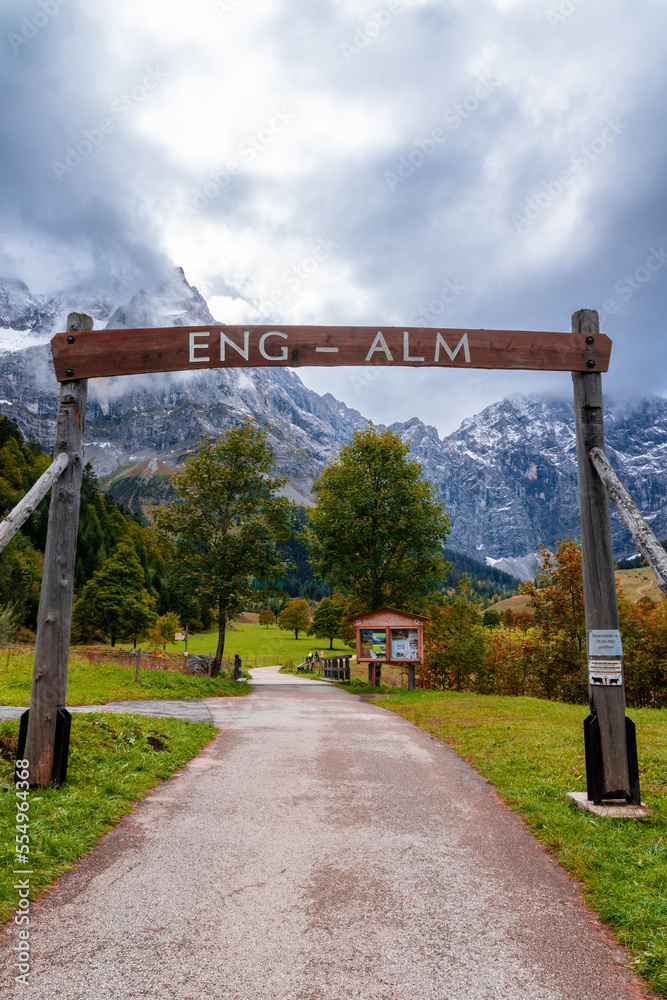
(149, 661)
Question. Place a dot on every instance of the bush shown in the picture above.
(9, 623)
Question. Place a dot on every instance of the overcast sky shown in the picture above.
(477, 163)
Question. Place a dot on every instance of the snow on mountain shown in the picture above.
(139, 428)
(174, 303)
(522, 567)
(508, 474)
(27, 319)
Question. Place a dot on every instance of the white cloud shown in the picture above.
(320, 175)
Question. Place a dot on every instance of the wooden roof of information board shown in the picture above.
(384, 617)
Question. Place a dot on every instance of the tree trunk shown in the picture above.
(222, 625)
(331, 642)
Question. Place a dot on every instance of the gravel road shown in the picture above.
(319, 848)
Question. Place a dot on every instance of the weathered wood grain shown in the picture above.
(127, 352)
(599, 580)
(20, 514)
(49, 678)
(645, 538)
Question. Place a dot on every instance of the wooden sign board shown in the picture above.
(389, 636)
(105, 353)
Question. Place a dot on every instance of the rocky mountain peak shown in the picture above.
(508, 474)
(174, 303)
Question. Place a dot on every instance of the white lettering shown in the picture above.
(406, 348)
(463, 343)
(243, 351)
(194, 346)
(283, 350)
(379, 344)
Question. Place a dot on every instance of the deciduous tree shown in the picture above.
(327, 620)
(228, 522)
(163, 630)
(644, 631)
(267, 617)
(377, 527)
(557, 598)
(295, 617)
(455, 642)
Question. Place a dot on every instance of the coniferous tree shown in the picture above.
(114, 602)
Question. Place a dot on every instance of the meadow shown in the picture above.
(268, 644)
(97, 683)
(532, 751)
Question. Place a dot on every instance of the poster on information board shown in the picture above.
(374, 644)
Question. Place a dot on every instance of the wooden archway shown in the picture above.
(81, 353)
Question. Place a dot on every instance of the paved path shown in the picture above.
(320, 848)
(193, 710)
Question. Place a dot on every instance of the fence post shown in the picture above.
(54, 621)
(136, 669)
(607, 703)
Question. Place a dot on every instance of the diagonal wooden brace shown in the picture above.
(643, 534)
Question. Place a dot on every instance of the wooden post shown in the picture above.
(136, 669)
(49, 678)
(606, 702)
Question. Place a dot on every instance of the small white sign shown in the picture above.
(179, 637)
(605, 672)
(604, 642)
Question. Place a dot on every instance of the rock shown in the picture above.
(198, 664)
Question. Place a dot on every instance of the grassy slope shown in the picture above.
(520, 602)
(635, 583)
(111, 765)
(532, 751)
(271, 643)
(97, 683)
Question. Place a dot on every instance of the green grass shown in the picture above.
(111, 765)
(257, 640)
(98, 683)
(533, 752)
(359, 686)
